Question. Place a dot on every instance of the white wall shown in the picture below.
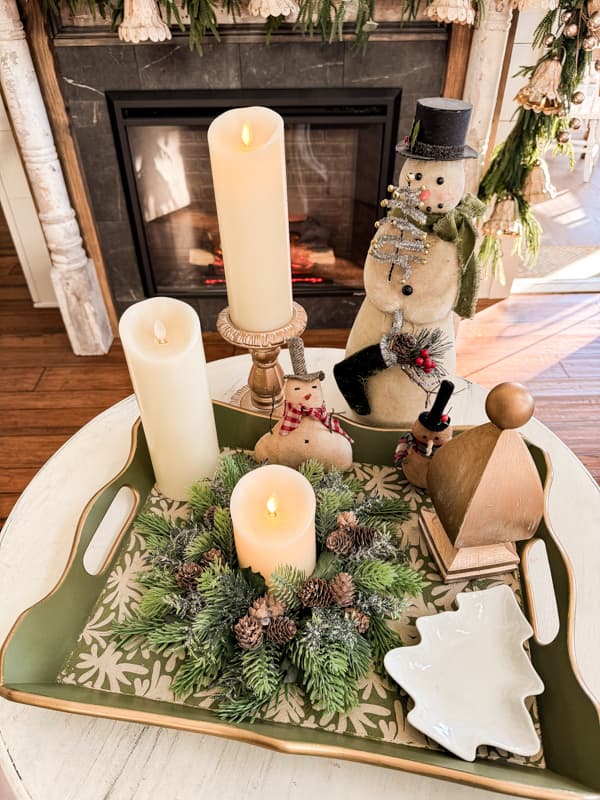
(21, 215)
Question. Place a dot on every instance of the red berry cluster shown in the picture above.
(425, 361)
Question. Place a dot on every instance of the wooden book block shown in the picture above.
(464, 563)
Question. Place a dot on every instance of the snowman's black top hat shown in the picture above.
(435, 419)
(439, 131)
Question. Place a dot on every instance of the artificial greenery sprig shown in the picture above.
(325, 18)
(324, 632)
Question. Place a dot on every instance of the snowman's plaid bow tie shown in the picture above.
(293, 414)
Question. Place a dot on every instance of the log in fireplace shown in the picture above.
(340, 154)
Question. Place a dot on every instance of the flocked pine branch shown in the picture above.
(285, 583)
(382, 639)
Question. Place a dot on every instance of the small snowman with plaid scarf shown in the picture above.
(307, 429)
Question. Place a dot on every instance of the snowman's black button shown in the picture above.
(407, 290)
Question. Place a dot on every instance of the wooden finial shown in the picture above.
(509, 405)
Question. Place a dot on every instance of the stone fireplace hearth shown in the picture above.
(91, 63)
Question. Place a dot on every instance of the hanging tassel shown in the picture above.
(273, 8)
(538, 186)
(541, 93)
(503, 220)
(142, 22)
(456, 11)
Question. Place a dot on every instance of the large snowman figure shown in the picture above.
(421, 268)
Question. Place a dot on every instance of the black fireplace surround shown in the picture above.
(111, 88)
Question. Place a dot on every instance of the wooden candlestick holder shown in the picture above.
(265, 381)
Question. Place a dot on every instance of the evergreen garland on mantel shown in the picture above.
(321, 17)
(547, 112)
(323, 632)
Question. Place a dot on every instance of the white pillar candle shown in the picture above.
(247, 157)
(162, 342)
(273, 515)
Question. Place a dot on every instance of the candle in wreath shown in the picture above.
(247, 158)
(273, 515)
(162, 342)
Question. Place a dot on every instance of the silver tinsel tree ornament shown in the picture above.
(400, 241)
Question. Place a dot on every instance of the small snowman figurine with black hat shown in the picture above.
(307, 429)
(421, 268)
(430, 431)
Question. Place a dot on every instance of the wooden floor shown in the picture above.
(549, 342)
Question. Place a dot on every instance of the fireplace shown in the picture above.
(340, 154)
(143, 80)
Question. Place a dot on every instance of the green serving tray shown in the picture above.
(44, 635)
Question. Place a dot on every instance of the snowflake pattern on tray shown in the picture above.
(96, 662)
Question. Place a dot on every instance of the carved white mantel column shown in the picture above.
(483, 80)
(73, 274)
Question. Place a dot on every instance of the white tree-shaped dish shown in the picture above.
(470, 675)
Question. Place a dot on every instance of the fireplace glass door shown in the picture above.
(339, 160)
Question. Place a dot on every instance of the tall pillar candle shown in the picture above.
(162, 342)
(247, 157)
(273, 516)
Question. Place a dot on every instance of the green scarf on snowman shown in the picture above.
(458, 226)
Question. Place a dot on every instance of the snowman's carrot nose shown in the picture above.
(424, 194)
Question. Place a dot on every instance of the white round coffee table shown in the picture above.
(48, 755)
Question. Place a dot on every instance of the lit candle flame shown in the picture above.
(246, 135)
(272, 506)
(160, 331)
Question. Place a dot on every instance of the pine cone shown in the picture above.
(347, 520)
(209, 557)
(187, 575)
(342, 589)
(248, 632)
(360, 619)
(339, 542)
(265, 609)
(403, 347)
(363, 536)
(315, 593)
(209, 516)
(281, 630)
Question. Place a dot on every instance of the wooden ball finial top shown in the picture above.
(509, 405)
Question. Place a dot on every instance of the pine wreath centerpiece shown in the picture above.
(323, 631)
